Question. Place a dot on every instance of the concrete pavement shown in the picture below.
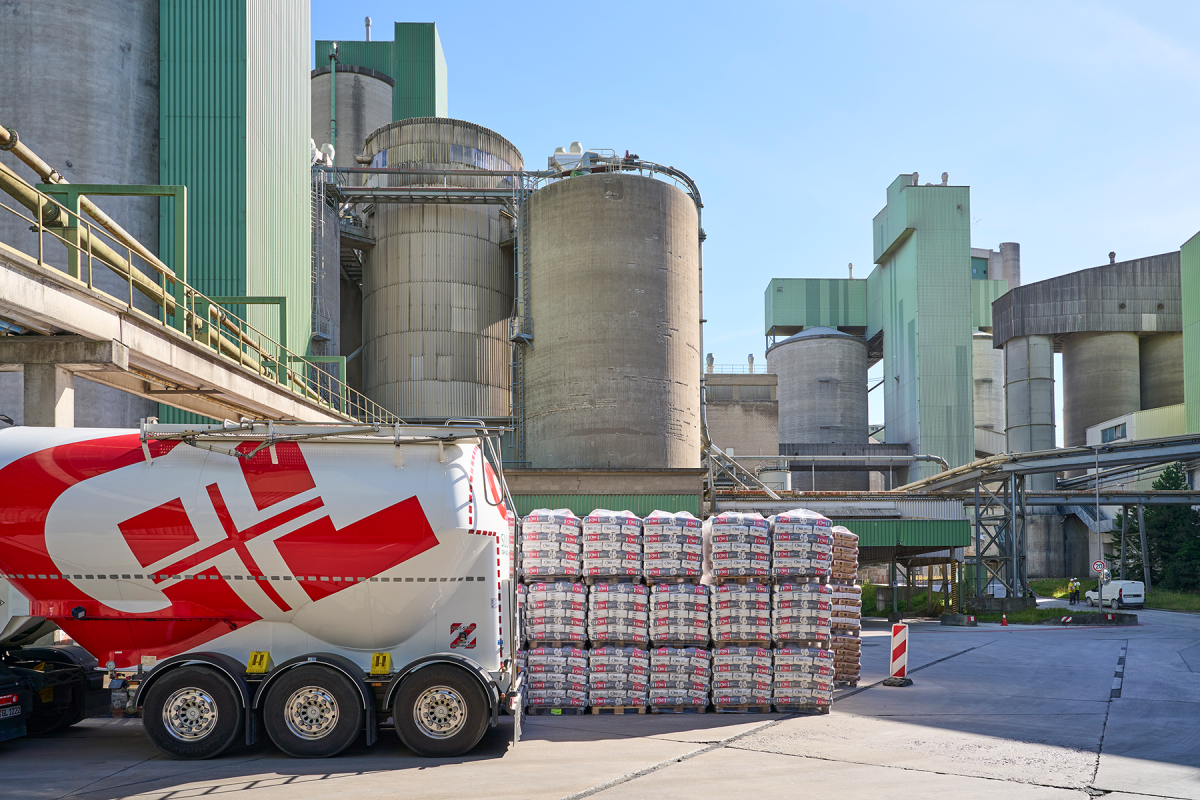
(1022, 712)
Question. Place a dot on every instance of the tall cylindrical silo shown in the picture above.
(437, 287)
(1029, 399)
(1101, 380)
(364, 104)
(822, 398)
(988, 367)
(1161, 357)
(81, 90)
(613, 377)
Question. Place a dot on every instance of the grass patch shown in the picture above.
(1031, 616)
(919, 603)
(1052, 587)
(1173, 601)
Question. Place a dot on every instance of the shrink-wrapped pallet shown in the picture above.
(737, 545)
(556, 677)
(619, 676)
(844, 566)
(679, 614)
(551, 543)
(742, 676)
(612, 544)
(672, 546)
(618, 613)
(740, 612)
(801, 612)
(801, 544)
(803, 676)
(553, 612)
(680, 676)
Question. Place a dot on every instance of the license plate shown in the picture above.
(10, 711)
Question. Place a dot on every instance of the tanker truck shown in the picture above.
(305, 582)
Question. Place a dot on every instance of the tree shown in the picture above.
(1173, 537)
(1133, 548)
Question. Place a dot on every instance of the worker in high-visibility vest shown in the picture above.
(1073, 588)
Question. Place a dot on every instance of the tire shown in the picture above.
(313, 712)
(193, 713)
(1090, 602)
(441, 711)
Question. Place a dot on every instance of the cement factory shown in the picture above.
(357, 254)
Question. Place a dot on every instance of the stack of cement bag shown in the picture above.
(550, 545)
(620, 676)
(845, 556)
(803, 677)
(679, 614)
(802, 544)
(742, 676)
(801, 612)
(618, 614)
(553, 612)
(672, 546)
(556, 677)
(680, 676)
(612, 544)
(740, 612)
(847, 606)
(737, 545)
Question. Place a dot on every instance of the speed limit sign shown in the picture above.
(1097, 566)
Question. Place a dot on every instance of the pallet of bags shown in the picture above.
(801, 544)
(742, 679)
(801, 612)
(680, 678)
(619, 677)
(618, 613)
(612, 545)
(556, 678)
(550, 545)
(844, 567)
(802, 679)
(672, 547)
(737, 545)
(553, 612)
(740, 612)
(679, 614)
(847, 659)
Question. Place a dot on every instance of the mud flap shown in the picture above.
(516, 707)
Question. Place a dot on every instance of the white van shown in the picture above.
(1119, 594)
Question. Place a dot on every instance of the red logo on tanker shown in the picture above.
(327, 557)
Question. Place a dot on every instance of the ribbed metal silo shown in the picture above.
(613, 377)
(437, 287)
(80, 88)
(364, 104)
(822, 398)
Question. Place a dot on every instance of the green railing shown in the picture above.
(166, 297)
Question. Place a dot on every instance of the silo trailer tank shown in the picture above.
(305, 580)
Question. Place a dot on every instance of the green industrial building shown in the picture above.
(919, 311)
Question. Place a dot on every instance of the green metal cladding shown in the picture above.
(983, 294)
(1189, 272)
(793, 304)
(414, 60)
(909, 532)
(583, 504)
(233, 128)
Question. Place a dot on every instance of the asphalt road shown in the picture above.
(1020, 712)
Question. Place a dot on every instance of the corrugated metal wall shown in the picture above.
(1189, 269)
(641, 505)
(796, 303)
(414, 59)
(910, 532)
(983, 294)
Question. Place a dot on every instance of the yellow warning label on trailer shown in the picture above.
(381, 663)
(47, 694)
(260, 662)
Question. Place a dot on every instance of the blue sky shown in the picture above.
(1074, 123)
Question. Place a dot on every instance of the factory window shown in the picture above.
(1113, 433)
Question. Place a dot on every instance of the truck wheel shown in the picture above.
(441, 711)
(312, 712)
(192, 712)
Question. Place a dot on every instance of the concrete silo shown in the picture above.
(988, 367)
(364, 104)
(437, 287)
(822, 398)
(1161, 357)
(613, 377)
(1101, 380)
(81, 89)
